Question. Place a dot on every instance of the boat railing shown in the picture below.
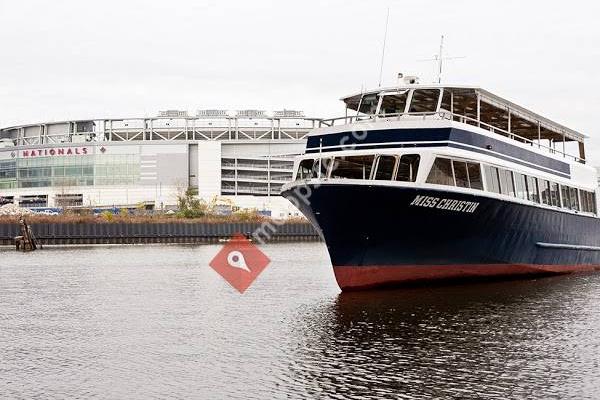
(447, 115)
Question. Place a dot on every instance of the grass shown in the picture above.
(108, 218)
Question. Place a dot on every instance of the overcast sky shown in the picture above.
(83, 59)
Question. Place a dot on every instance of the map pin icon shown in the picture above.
(236, 259)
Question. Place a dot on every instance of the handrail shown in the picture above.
(448, 116)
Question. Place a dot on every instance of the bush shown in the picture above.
(107, 216)
(190, 206)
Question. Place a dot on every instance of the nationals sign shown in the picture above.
(56, 151)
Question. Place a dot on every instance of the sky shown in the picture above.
(81, 59)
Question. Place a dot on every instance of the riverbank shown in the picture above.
(174, 231)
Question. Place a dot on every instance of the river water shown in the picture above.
(143, 322)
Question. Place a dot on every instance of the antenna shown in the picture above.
(387, 18)
(440, 59)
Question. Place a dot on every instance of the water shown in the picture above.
(157, 322)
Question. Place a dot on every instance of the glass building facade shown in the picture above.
(80, 170)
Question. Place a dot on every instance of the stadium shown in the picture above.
(242, 157)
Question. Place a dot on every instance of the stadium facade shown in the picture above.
(243, 157)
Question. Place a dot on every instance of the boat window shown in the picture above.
(447, 100)
(574, 199)
(324, 165)
(506, 182)
(491, 178)
(352, 167)
(393, 103)
(554, 194)
(532, 189)
(520, 186)
(368, 104)
(305, 169)
(385, 168)
(461, 175)
(545, 191)
(424, 100)
(408, 168)
(591, 202)
(566, 199)
(583, 195)
(441, 172)
(475, 181)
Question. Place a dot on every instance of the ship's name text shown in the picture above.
(445, 204)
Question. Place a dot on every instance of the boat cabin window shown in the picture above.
(408, 168)
(507, 186)
(564, 194)
(441, 172)
(503, 181)
(460, 173)
(492, 179)
(368, 104)
(306, 169)
(532, 189)
(424, 100)
(584, 200)
(324, 166)
(393, 103)
(588, 201)
(554, 194)
(545, 191)
(456, 173)
(574, 199)
(474, 170)
(385, 168)
(352, 167)
(520, 185)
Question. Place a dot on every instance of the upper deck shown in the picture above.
(464, 104)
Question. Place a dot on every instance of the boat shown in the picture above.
(436, 182)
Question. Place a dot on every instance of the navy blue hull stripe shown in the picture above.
(390, 138)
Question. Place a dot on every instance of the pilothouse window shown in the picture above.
(424, 100)
(352, 167)
(393, 103)
(368, 104)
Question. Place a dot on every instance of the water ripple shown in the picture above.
(156, 322)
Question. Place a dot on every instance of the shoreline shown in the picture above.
(62, 234)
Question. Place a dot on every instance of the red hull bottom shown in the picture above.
(359, 277)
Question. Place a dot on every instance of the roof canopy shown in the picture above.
(479, 105)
